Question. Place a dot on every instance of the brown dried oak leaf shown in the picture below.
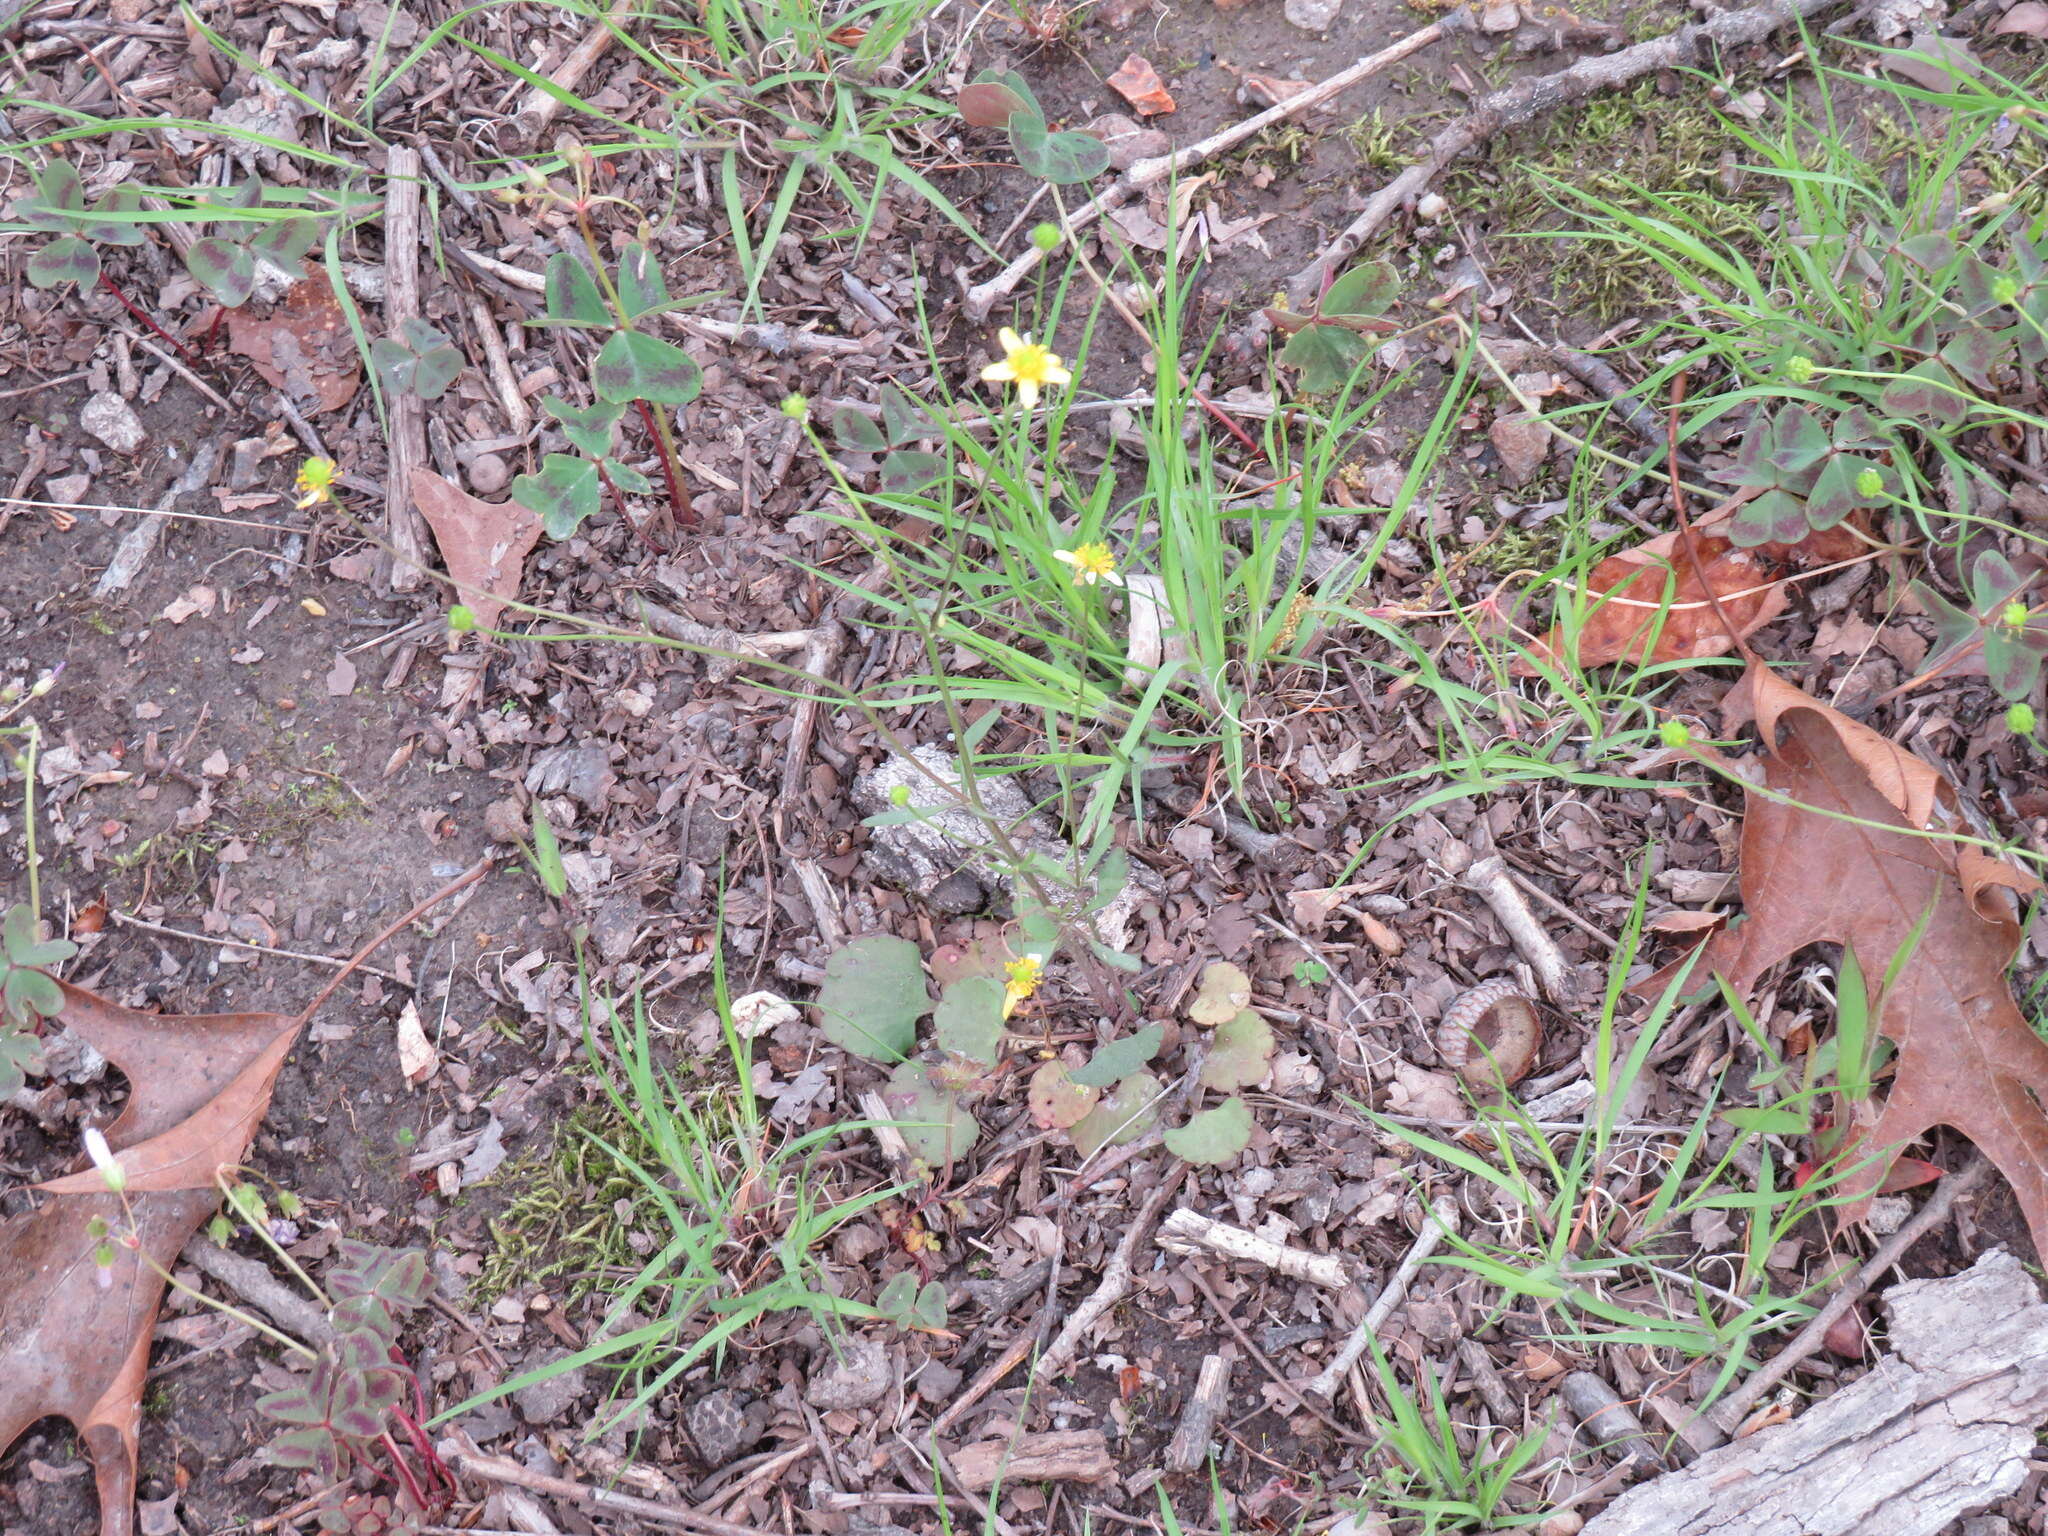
(303, 346)
(484, 544)
(1811, 874)
(70, 1345)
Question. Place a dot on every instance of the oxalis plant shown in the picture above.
(242, 228)
(355, 1422)
(633, 371)
(28, 993)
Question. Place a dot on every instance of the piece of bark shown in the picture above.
(1942, 1428)
(140, 542)
(1062, 1455)
(411, 550)
(1192, 1436)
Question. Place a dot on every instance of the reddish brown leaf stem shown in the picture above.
(184, 351)
(685, 518)
(468, 877)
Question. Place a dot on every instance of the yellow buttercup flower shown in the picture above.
(315, 482)
(1028, 365)
(1091, 563)
(1024, 975)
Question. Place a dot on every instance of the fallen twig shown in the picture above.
(1116, 1278)
(540, 106)
(411, 552)
(1952, 1187)
(126, 921)
(496, 1469)
(1186, 1231)
(1527, 99)
(1491, 881)
(1441, 1219)
(253, 1282)
(981, 298)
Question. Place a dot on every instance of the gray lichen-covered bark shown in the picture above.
(1940, 1429)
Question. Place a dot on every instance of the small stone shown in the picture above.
(1430, 207)
(1522, 443)
(546, 1401)
(113, 421)
(505, 821)
(854, 1377)
(615, 927)
(1313, 15)
(67, 488)
(721, 1426)
(489, 472)
(938, 1382)
(1503, 16)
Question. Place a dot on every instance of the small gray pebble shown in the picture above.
(854, 1377)
(489, 472)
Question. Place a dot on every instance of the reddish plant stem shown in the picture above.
(619, 501)
(1229, 425)
(403, 1471)
(213, 330)
(685, 518)
(184, 351)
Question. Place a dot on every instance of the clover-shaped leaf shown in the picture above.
(572, 296)
(858, 430)
(1213, 1136)
(419, 359)
(1927, 394)
(588, 427)
(641, 288)
(908, 471)
(225, 266)
(1065, 159)
(22, 944)
(1775, 517)
(67, 259)
(563, 494)
(398, 1276)
(635, 367)
(313, 1449)
(20, 1055)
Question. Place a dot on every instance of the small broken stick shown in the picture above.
(1187, 1231)
(1441, 1218)
(1525, 100)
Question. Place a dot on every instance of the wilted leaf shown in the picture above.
(1224, 993)
(1242, 1051)
(1056, 1100)
(969, 1019)
(930, 1117)
(1139, 84)
(873, 997)
(1829, 855)
(978, 957)
(484, 544)
(1126, 1112)
(1215, 1135)
(200, 1085)
(985, 104)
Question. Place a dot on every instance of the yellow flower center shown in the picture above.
(1091, 562)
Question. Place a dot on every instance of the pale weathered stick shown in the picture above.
(1489, 878)
(1186, 1231)
(1442, 1219)
(1116, 1280)
(1527, 99)
(540, 107)
(411, 550)
(982, 297)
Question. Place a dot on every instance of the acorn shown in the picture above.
(1491, 1034)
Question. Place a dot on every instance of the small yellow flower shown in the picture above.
(1028, 365)
(1025, 973)
(1091, 563)
(315, 482)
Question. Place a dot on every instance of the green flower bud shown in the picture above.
(2020, 720)
(2013, 615)
(461, 618)
(1870, 483)
(1675, 734)
(1799, 369)
(796, 407)
(1046, 236)
(899, 794)
(2005, 288)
